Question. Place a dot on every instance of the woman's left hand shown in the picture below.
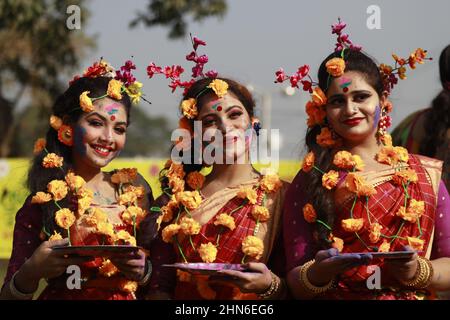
(257, 279)
(402, 269)
(132, 265)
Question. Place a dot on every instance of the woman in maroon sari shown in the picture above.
(358, 195)
(71, 197)
(233, 215)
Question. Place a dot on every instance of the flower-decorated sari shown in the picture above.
(229, 243)
(381, 208)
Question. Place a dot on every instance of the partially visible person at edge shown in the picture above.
(427, 131)
(357, 193)
(231, 215)
(74, 202)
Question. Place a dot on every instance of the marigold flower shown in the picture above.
(74, 182)
(189, 108)
(168, 211)
(386, 139)
(271, 183)
(96, 216)
(219, 87)
(105, 228)
(128, 286)
(85, 193)
(124, 175)
(330, 179)
(352, 225)
(337, 243)
(52, 160)
(175, 170)
(86, 102)
(207, 252)
(114, 89)
(319, 97)
(325, 138)
(55, 122)
(134, 92)
(404, 176)
(127, 198)
(126, 237)
(354, 181)
(195, 180)
(41, 197)
(253, 247)
(55, 236)
(346, 160)
(375, 232)
(133, 212)
(309, 213)
(225, 220)
(189, 199)
(83, 204)
(170, 231)
(247, 193)
(335, 67)
(415, 243)
(402, 154)
(138, 190)
(58, 189)
(39, 145)
(366, 190)
(107, 269)
(260, 213)
(189, 226)
(308, 162)
(65, 135)
(315, 112)
(384, 247)
(64, 218)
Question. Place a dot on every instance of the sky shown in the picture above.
(257, 37)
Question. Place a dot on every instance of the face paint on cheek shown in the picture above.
(377, 117)
(79, 134)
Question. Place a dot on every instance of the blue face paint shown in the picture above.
(111, 109)
(377, 117)
(78, 140)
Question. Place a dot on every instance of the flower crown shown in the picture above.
(123, 81)
(189, 106)
(315, 108)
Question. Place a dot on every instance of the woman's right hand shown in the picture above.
(329, 263)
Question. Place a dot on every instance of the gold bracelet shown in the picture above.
(423, 276)
(274, 286)
(304, 281)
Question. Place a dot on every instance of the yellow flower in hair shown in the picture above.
(58, 189)
(319, 97)
(189, 108)
(55, 236)
(134, 92)
(55, 122)
(219, 87)
(86, 102)
(225, 220)
(108, 269)
(64, 218)
(253, 247)
(169, 232)
(260, 213)
(335, 67)
(271, 183)
(248, 193)
(114, 89)
(41, 197)
(207, 252)
(39, 145)
(52, 160)
(189, 226)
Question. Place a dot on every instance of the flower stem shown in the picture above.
(324, 224)
(181, 250)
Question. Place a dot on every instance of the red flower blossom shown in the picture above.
(212, 74)
(153, 69)
(198, 42)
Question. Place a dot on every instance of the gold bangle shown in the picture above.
(274, 286)
(423, 276)
(308, 285)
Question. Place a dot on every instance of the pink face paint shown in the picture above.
(344, 83)
(111, 109)
(377, 117)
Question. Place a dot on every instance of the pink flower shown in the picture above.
(202, 59)
(198, 42)
(197, 70)
(129, 65)
(338, 27)
(355, 47)
(294, 80)
(152, 69)
(280, 76)
(191, 56)
(307, 86)
(343, 38)
(174, 84)
(303, 71)
(212, 74)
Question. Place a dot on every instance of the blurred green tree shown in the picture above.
(173, 13)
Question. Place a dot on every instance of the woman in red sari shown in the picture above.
(72, 198)
(357, 194)
(233, 215)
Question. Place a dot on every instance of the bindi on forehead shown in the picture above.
(344, 83)
(217, 107)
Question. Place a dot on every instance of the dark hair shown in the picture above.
(437, 120)
(67, 108)
(322, 199)
(197, 91)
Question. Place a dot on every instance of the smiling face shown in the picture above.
(229, 116)
(353, 108)
(99, 136)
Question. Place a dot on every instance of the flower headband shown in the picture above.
(189, 106)
(123, 81)
(315, 108)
